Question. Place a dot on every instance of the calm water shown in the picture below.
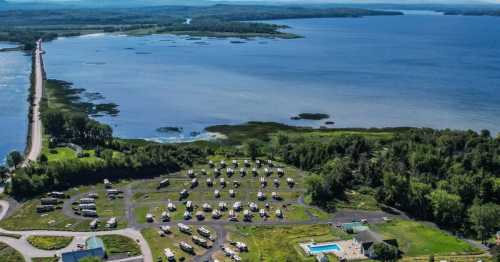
(416, 70)
(15, 68)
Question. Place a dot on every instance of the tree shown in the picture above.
(3, 172)
(14, 159)
(447, 208)
(485, 219)
(252, 148)
(385, 252)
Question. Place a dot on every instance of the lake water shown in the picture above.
(415, 70)
(15, 69)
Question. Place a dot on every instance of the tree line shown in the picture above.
(450, 177)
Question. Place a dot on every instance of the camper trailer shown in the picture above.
(149, 218)
(247, 216)
(222, 206)
(164, 183)
(242, 247)
(229, 172)
(232, 216)
(45, 208)
(216, 193)
(235, 163)
(200, 241)
(191, 173)
(276, 196)
(216, 214)
(94, 223)
(89, 213)
(194, 183)
(211, 164)
(57, 194)
(263, 182)
(279, 213)
(166, 229)
(112, 222)
(189, 205)
(276, 183)
(49, 201)
(253, 207)
(187, 215)
(87, 200)
(261, 196)
(280, 172)
(246, 163)
(203, 231)
(243, 172)
(216, 172)
(262, 212)
(169, 254)
(171, 206)
(209, 182)
(165, 216)
(258, 163)
(186, 247)
(87, 206)
(254, 171)
(237, 206)
(222, 182)
(107, 184)
(290, 182)
(199, 215)
(184, 228)
(183, 194)
(207, 207)
(232, 193)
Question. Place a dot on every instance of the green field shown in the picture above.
(117, 244)
(49, 242)
(416, 239)
(280, 243)
(9, 254)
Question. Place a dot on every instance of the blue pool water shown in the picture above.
(316, 249)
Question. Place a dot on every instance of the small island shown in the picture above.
(169, 129)
(310, 116)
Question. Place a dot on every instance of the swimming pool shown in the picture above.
(323, 248)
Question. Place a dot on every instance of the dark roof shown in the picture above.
(75, 256)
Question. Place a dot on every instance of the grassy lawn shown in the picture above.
(45, 259)
(9, 254)
(26, 218)
(283, 245)
(49, 242)
(358, 200)
(416, 239)
(117, 244)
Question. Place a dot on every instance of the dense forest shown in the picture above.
(450, 177)
(25, 26)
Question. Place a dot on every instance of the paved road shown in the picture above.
(36, 123)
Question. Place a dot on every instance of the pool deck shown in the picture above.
(348, 249)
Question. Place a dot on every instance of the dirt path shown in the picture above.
(36, 122)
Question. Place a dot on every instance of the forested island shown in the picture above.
(26, 26)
